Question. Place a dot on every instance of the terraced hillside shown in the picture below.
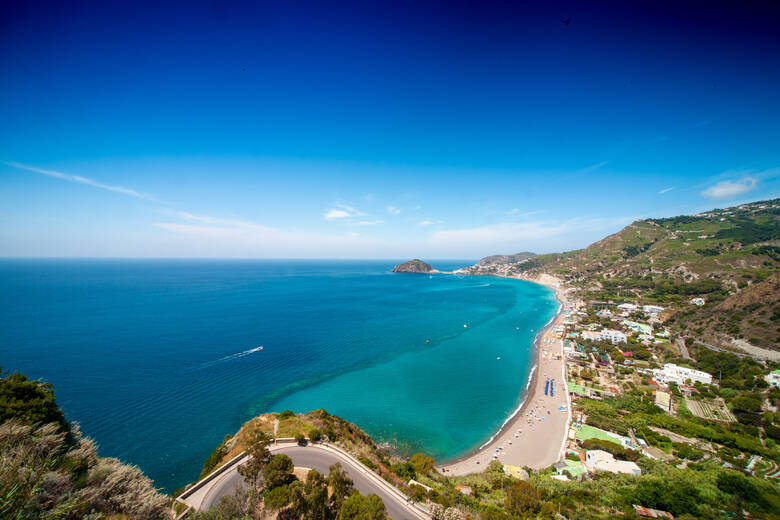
(728, 257)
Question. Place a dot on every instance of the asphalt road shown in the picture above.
(321, 461)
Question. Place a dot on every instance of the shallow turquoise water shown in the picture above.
(154, 358)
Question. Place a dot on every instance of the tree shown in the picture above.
(258, 456)
(316, 501)
(278, 471)
(29, 402)
(340, 485)
(421, 463)
(299, 438)
(359, 507)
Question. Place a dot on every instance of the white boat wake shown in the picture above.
(233, 356)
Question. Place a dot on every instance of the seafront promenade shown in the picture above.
(535, 436)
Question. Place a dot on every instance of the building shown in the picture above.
(663, 400)
(589, 334)
(466, 490)
(652, 309)
(599, 460)
(773, 378)
(630, 307)
(613, 336)
(642, 328)
(698, 301)
(672, 373)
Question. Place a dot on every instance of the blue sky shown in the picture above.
(364, 130)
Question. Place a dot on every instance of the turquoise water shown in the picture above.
(155, 360)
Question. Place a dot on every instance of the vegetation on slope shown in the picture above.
(728, 257)
(48, 470)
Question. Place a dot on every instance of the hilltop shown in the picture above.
(728, 257)
(506, 259)
(413, 266)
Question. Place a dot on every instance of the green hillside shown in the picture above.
(729, 257)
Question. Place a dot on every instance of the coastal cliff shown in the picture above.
(414, 266)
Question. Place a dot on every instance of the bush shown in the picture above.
(300, 438)
(404, 470)
(367, 462)
(315, 435)
(287, 414)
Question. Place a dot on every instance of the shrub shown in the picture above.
(287, 414)
(315, 435)
(300, 438)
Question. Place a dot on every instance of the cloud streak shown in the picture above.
(666, 190)
(78, 179)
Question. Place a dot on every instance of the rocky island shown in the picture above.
(414, 266)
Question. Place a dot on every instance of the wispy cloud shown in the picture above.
(594, 167)
(393, 210)
(429, 222)
(666, 190)
(514, 234)
(730, 189)
(369, 222)
(343, 211)
(78, 179)
(334, 214)
(516, 212)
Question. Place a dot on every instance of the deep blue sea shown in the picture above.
(152, 357)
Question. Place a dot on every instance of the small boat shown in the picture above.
(427, 341)
(498, 358)
(465, 326)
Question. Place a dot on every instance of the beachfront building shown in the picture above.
(672, 373)
(592, 335)
(599, 460)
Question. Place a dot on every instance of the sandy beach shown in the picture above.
(535, 435)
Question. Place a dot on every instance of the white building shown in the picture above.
(630, 307)
(652, 309)
(599, 460)
(698, 301)
(613, 336)
(773, 378)
(589, 334)
(672, 373)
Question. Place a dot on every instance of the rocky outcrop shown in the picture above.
(414, 266)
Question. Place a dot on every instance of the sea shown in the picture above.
(158, 360)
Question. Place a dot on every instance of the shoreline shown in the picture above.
(472, 461)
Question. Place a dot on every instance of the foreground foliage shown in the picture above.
(48, 470)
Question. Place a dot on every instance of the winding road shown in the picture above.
(319, 457)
